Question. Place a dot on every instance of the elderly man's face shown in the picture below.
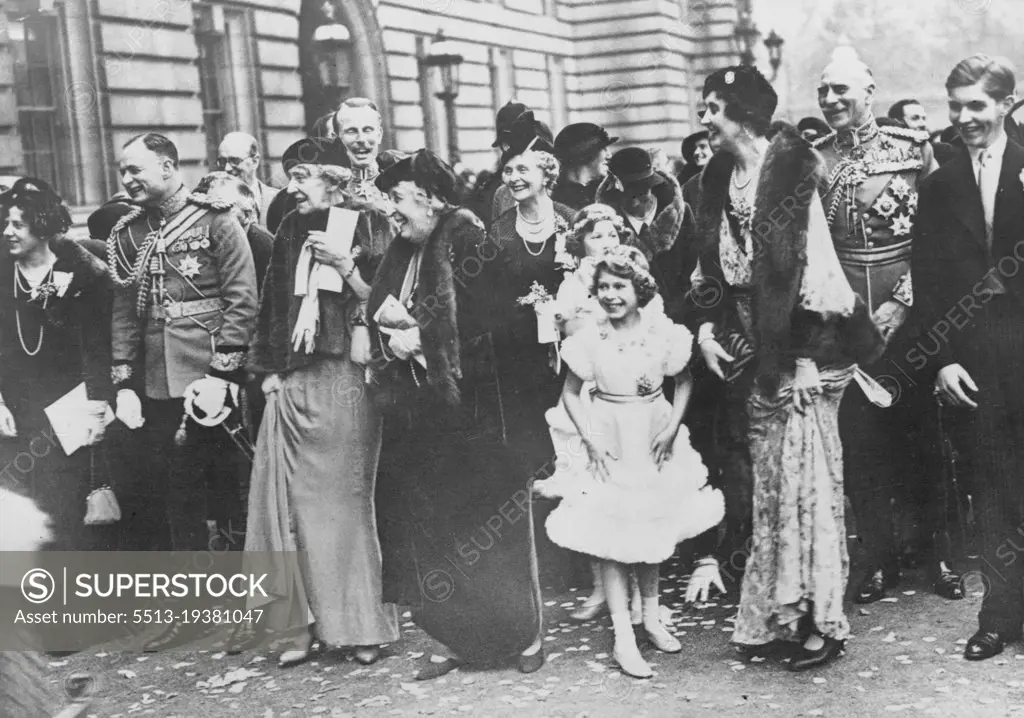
(915, 117)
(235, 157)
(361, 133)
(845, 95)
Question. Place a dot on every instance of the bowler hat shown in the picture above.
(504, 120)
(527, 133)
(632, 167)
(580, 142)
(316, 151)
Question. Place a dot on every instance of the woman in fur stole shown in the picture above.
(54, 335)
(455, 515)
(768, 255)
(319, 441)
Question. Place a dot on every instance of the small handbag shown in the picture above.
(736, 346)
(101, 507)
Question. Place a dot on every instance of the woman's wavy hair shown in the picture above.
(549, 167)
(749, 98)
(42, 209)
(585, 221)
(628, 263)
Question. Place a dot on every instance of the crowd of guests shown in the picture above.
(564, 374)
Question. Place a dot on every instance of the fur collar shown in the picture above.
(72, 257)
(668, 221)
(436, 308)
(790, 176)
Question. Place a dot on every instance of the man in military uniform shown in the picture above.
(871, 202)
(184, 310)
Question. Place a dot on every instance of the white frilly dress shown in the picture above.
(641, 512)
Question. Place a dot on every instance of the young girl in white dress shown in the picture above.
(596, 229)
(637, 487)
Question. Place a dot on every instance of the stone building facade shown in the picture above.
(79, 77)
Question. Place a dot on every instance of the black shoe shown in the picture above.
(984, 644)
(533, 662)
(435, 670)
(811, 659)
(949, 585)
(874, 586)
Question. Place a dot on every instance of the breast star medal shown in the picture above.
(189, 267)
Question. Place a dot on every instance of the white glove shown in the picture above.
(404, 343)
(271, 383)
(704, 577)
(99, 424)
(7, 427)
(212, 394)
(129, 409)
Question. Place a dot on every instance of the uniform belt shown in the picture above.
(875, 257)
(178, 310)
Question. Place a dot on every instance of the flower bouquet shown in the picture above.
(546, 309)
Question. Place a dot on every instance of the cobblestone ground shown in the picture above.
(904, 659)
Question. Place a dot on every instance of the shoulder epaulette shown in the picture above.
(918, 137)
(823, 140)
(202, 200)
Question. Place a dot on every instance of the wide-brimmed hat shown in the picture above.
(316, 151)
(504, 120)
(689, 145)
(427, 171)
(580, 142)
(633, 168)
(527, 133)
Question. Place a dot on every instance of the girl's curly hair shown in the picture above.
(42, 209)
(628, 263)
(585, 221)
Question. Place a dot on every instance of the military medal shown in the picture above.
(189, 267)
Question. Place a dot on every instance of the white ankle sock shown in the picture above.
(652, 613)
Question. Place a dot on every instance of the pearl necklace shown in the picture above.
(536, 228)
(18, 284)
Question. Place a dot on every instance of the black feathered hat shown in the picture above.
(527, 133)
(316, 151)
(427, 171)
(504, 120)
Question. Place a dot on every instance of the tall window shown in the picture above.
(43, 124)
(225, 74)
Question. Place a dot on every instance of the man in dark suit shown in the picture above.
(969, 307)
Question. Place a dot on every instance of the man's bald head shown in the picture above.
(239, 155)
(845, 94)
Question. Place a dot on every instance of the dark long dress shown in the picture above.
(528, 383)
(75, 347)
(453, 509)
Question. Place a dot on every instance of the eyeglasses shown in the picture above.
(223, 162)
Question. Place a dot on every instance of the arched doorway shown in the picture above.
(341, 55)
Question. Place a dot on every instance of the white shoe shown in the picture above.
(627, 655)
(662, 639)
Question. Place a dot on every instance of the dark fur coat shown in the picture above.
(279, 307)
(448, 307)
(790, 179)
